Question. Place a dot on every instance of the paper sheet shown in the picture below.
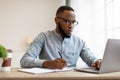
(43, 70)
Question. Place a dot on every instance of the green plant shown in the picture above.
(3, 52)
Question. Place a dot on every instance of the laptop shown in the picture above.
(110, 61)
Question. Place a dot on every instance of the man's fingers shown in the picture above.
(60, 63)
(94, 65)
(97, 64)
(62, 60)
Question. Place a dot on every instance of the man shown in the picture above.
(59, 48)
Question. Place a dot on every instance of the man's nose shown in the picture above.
(71, 25)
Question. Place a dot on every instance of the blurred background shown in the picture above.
(22, 20)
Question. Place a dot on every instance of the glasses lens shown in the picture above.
(75, 23)
(68, 22)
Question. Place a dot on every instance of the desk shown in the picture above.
(69, 75)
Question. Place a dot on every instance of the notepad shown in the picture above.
(43, 70)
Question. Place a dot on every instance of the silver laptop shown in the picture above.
(111, 58)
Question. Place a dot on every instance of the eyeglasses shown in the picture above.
(68, 22)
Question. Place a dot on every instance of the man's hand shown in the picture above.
(55, 64)
(96, 64)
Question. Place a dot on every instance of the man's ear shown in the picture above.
(56, 20)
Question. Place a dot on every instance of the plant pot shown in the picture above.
(6, 66)
(1, 62)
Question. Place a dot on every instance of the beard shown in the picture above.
(62, 32)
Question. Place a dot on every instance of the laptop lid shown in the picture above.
(111, 58)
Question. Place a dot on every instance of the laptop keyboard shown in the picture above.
(94, 70)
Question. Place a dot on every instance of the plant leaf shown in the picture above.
(3, 52)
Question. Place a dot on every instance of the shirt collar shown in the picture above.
(60, 37)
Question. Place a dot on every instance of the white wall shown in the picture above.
(20, 19)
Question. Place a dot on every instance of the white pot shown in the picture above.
(1, 62)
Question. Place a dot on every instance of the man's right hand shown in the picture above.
(55, 64)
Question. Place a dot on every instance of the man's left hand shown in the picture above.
(96, 64)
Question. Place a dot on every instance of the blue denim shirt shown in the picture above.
(48, 45)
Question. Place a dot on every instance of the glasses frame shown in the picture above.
(68, 22)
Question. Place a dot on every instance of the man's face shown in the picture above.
(65, 24)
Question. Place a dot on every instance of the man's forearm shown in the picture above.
(28, 62)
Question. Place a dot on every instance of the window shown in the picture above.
(98, 21)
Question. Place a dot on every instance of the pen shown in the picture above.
(60, 55)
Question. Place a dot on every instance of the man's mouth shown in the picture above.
(69, 31)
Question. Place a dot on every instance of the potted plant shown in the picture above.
(3, 54)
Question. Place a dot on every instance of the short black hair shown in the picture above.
(63, 8)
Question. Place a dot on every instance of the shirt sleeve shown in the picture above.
(87, 56)
(30, 58)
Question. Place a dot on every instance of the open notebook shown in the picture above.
(43, 70)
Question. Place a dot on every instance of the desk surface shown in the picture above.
(68, 75)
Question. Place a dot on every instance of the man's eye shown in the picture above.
(73, 21)
(68, 22)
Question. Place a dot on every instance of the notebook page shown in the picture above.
(43, 70)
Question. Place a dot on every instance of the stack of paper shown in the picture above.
(43, 70)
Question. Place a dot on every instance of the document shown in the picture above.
(43, 70)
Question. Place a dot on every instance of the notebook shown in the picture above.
(111, 58)
(43, 70)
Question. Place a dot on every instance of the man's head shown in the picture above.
(65, 21)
